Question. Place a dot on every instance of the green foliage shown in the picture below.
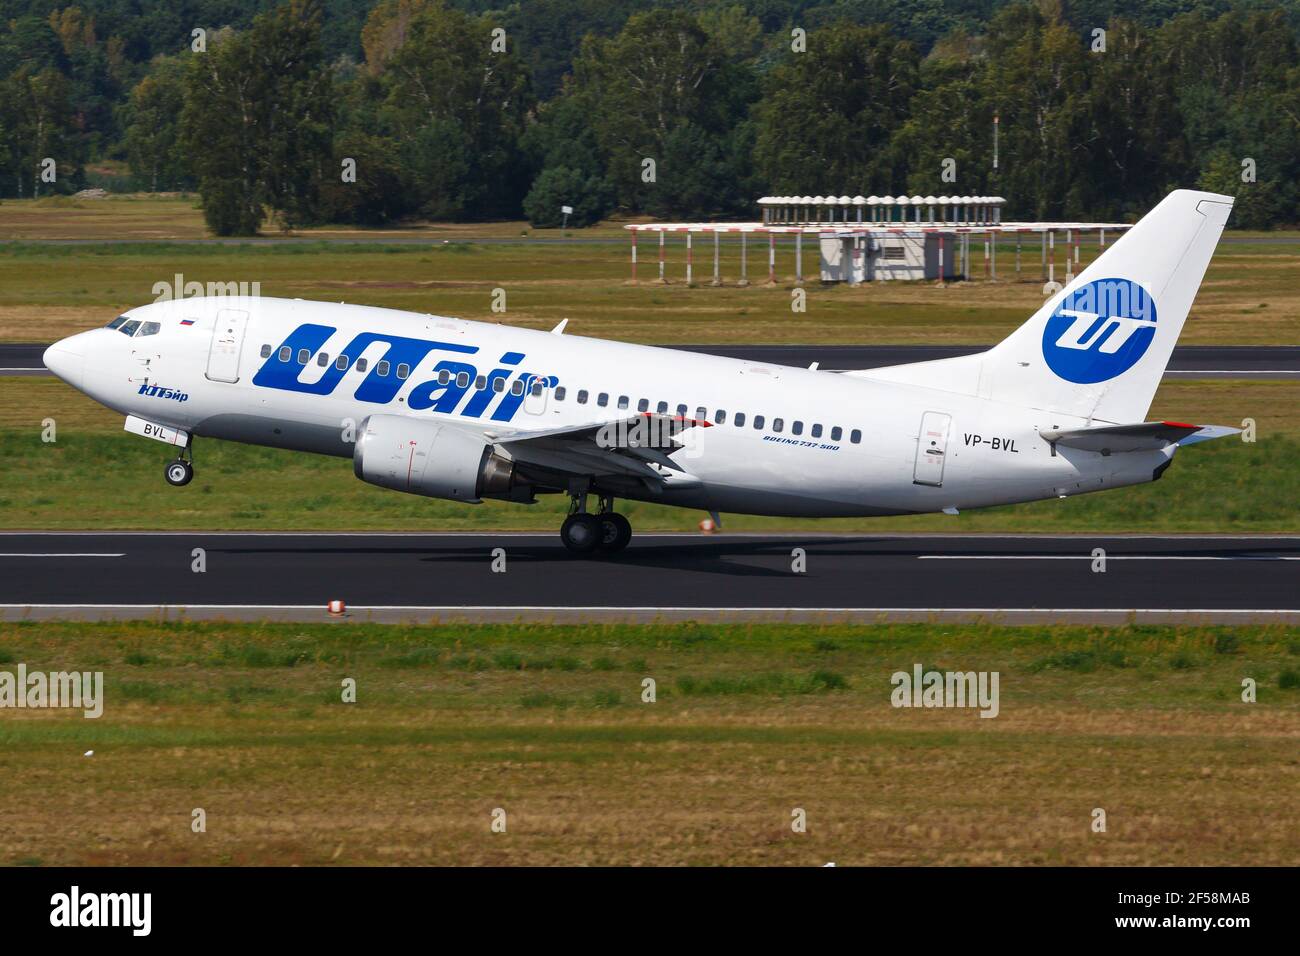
(590, 197)
(456, 107)
(663, 99)
(442, 118)
(152, 121)
(257, 121)
(828, 115)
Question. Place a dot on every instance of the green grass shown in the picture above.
(90, 479)
(96, 475)
(548, 721)
(1250, 295)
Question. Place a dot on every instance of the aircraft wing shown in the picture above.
(637, 446)
(1144, 436)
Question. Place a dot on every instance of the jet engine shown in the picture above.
(430, 458)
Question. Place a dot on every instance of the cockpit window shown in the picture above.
(128, 328)
(149, 328)
(116, 322)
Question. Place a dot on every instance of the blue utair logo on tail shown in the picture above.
(1099, 331)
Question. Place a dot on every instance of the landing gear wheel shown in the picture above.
(615, 532)
(581, 533)
(179, 472)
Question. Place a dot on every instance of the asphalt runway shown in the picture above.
(439, 577)
(1192, 361)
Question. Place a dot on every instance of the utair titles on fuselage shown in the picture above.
(466, 410)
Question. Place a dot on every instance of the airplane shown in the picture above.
(462, 410)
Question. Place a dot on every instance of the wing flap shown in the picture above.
(637, 446)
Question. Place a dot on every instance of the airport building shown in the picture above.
(878, 238)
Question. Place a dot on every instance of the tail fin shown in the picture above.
(1098, 348)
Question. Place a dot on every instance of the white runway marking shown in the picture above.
(1109, 557)
(51, 554)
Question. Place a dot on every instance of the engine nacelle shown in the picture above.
(429, 458)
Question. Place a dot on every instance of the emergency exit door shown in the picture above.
(227, 343)
(931, 449)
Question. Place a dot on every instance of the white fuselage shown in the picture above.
(812, 443)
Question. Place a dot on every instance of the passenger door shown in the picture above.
(227, 344)
(931, 449)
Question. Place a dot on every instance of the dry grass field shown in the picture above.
(750, 722)
(1251, 295)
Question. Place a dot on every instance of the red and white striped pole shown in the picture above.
(690, 257)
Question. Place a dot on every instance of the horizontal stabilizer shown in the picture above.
(1144, 436)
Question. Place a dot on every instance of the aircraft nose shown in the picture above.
(65, 359)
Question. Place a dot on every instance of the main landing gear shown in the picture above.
(181, 471)
(607, 532)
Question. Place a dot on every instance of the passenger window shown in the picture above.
(129, 328)
(403, 370)
(150, 328)
(643, 405)
(817, 431)
(681, 411)
(720, 417)
(662, 408)
(341, 363)
(323, 359)
(836, 432)
(739, 420)
(517, 387)
(304, 356)
(498, 385)
(537, 387)
(855, 436)
(582, 396)
(624, 401)
(480, 383)
(362, 364)
(382, 369)
(286, 353)
(560, 393)
(462, 379)
(701, 414)
(778, 424)
(758, 421)
(444, 376)
(602, 399)
(796, 428)
(266, 351)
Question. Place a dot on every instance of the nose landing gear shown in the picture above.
(181, 471)
(607, 532)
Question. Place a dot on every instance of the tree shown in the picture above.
(457, 106)
(660, 82)
(36, 113)
(152, 123)
(257, 121)
(590, 197)
(828, 115)
(1037, 76)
